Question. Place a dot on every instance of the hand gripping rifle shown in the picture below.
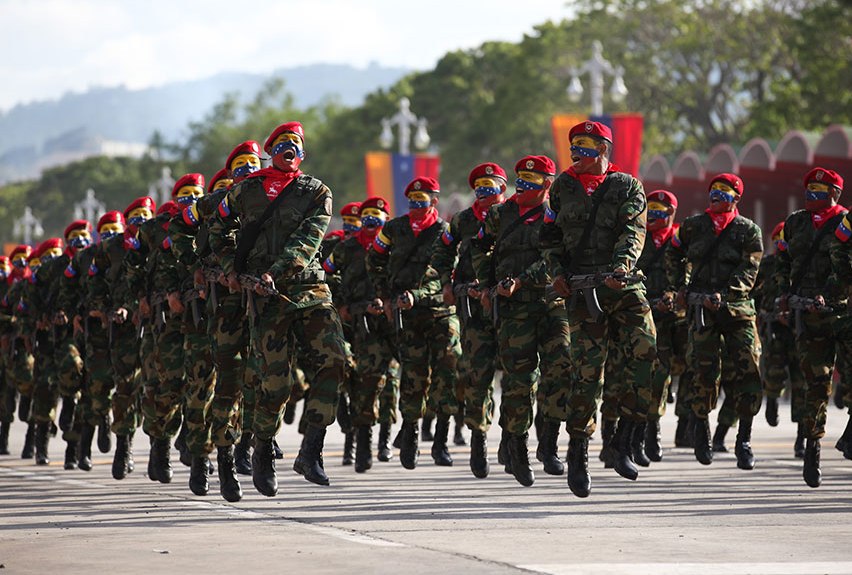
(800, 305)
(463, 299)
(588, 284)
(696, 300)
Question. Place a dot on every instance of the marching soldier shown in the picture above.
(7, 389)
(20, 361)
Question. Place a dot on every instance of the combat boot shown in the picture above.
(384, 452)
(66, 414)
(637, 445)
(742, 449)
(4, 437)
(799, 444)
(479, 454)
(458, 436)
(681, 432)
(520, 458)
(344, 418)
(229, 484)
(104, 435)
(538, 424)
(198, 483)
(348, 448)
(152, 471)
(607, 432)
(440, 453)
(29, 442)
(397, 440)
(70, 455)
(161, 451)
(408, 445)
(719, 438)
(180, 444)
(311, 455)
(276, 450)
(242, 459)
(771, 412)
(811, 471)
(263, 467)
(653, 441)
(547, 452)
(364, 451)
(426, 431)
(621, 450)
(701, 440)
(844, 444)
(579, 479)
(84, 457)
(120, 460)
(41, 438)
(24, 404)
(503, 452)
(289, 413)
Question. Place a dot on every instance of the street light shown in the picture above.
(597, 67)
(28, 226)
(404, 120)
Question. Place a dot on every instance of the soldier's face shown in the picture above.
(5, 269)
(531, 188)
(818, 196)
(50, 254)
(585, 152)
(723, 198)
(19, 261)
(288, 152)
(419, 203)
(35, 263)
(351, 224)
(187, 195)
(79, 238)
(222, 184)
(489, 190)
(660, 216)
(243, 165)
(109, 230)
(373, 218)
(137, 216)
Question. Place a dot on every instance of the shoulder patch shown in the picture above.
(844, 229)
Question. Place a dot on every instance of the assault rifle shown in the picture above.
(158, 310)
(589, 284)
(250, 283)
(696, 300)
(211, 277)
(799, 305)
(190, 297)
(397, 315)
(463, 299)
(358, 311)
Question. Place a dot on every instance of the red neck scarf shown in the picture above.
(522, 210)
(428, 220)
(818, 219)
(480, 211)
(365, 237)
(662, 236)
(275, 180)
(721, 221)
(591, 182)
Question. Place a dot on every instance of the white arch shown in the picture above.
(722, 159)
(658, 170)
(794, 147)
(688, 165)
(757, 154)
(836, 142)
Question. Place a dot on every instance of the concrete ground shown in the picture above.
(678, 518)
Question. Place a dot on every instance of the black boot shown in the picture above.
(344, 418)
(621, 450)
(653, 441)
(811, 472)
(520, 458)
(637, 445)
(458, 436)
(701, 440)
(84, 457)
(162, 460)
(771, 411)
(152, 469)
(41, 438)
(607, 433)
(681, 433)
(66, 414)
(364, 451)
(478, 454)
(70, 455)
(263, 467)
(538, 423)
(440, 453)
(408, 445)
(844, 444)
(4, 437)
(799, 445)
(229, 484)
(310, 455)
(397, 440)
(180, 444)
(198, 483)
(348, 448)
(121, 458)
(242, 459)
(503, 452)
(384, 452)
(104, 435)
(547, 452)
(579, 479)
(24, 404)
(719, 438)
(276, 451)
(426, 432)
(742, 449)
(29, 442)
(289, 413)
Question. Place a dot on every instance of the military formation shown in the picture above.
(207, 320)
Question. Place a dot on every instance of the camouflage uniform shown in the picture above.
(21, 364)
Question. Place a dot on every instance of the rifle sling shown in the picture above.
(597, 199)
(511, 227)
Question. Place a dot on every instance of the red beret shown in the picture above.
(294, 127)
(170, 208)
(423, 184)
(143, 202)
(590, 128)
(188, 180)
(48, 244)
(540, 164)
(247, 147)
(351, 209)
(732, 180)
(486, 170)
(114, 217)
(375, 202)
(223, 174)
(824, 176)
(664, 196)
(21, 249)
(776, 231)
(77, 225)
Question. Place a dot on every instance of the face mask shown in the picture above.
(290, 142)
(657, 214)
(20, 263)
(721, 196)
(584, 147)
(49, 256)
(817, 192)
(372, 221)
(80, 242)
(105, 235)
(187, 195)
(418, 200)
(351, 224)
(244, 164)
(138, 216)
(522, 185)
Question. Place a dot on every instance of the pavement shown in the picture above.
(679, 518)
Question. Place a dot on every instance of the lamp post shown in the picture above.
(164, 186)
(90, 208)
(28, 226)
(404, 120)
(597, 67)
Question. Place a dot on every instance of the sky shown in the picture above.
(50, 47)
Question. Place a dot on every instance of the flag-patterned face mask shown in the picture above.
(529, 181)
(50, 254)
(351, 224)
(722, 192)
(418, 200)
(487, 186)
(136, 217)
(657, 211)
(816, 192)
(110, 230)
(373, 217)
(79, 238)
(290, 145)
(187, 195)
(20, 261)
(584, 147)
(244, 164)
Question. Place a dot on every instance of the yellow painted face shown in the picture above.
(79, 233)
(657, 206)
(287, 137)
(419, 197)
(248, 159)
(352, 220)
(584, 142)
(487, 182)
(817, 187)
(373, 212)
(5, 268)
(224, 183)
(723, 187)
(113, 227)
(20, 260)
(52, 253)
(143, 213)
(532, 177)
(189, 192)
(35, 263)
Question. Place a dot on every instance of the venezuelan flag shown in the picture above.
(627, 132)
(388, 174)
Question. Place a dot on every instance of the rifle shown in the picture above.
(589, 283)
(250, 283)
(799, 304)
(211, 276)
(191, 297)
(460, 291)
(358, 310)
(696, 300)
(397, 315)
(767, 319)
(158, 310)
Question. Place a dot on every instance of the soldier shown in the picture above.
(842, 255)
(599, 228)
(810, 275)
(427, 328)
(453, 260)
(281, 216)
(20, 361)
(723, 250)
(532, 329)
(7, 390)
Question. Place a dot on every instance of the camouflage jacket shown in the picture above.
(73, 285)
(348, 262)
(190, 231)
(108, 289)
(455, 243)
(766, 286)
(147, 269)
(652, 263)
(42, 293)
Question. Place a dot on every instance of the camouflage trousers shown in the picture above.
(166, 398)
(124, 355)
(8, 395)
(628, 314)
(429, 350)
(96, 400)
(844, 372)
(69, 362)
(150, 386)
(779, 362)
(672, 338)
(274, 333)
(21, 369)
(200, 383)
(389, 396)
(45, 385)
(373, 353)
(17, 367)
(533, 338)
(734, 337)
(476, 369)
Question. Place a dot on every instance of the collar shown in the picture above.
(721, 221)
